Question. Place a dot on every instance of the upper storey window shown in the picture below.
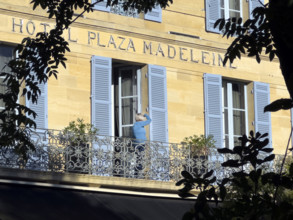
(154, 15)
(230, 8)
(6, 54)
(216, 9)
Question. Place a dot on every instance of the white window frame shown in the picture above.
(230, 113)
(227, 9)
(135, 71)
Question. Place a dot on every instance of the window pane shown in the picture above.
(222, 13)
(222, 3)
(225, 94)
(237, 142)
(234, 4)
(226, 121)
(239, 122)
(234, 14)
(127, 132)
(227, 141)
(129, 107)
(238, 96)
(127, 82)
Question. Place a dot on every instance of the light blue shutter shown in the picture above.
(101, 6)
(158, 103)
(254, 4)
(154, 15)
(213, 107)
(101, 94)
(41, 107)
(262, 120)
(212, 14)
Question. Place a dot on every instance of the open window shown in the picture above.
(232, 108)
(216, 9)
(6, 54)
(120, 89)
(154, 15)
(127, 99)
(234, 112)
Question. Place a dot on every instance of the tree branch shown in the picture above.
(82, 13)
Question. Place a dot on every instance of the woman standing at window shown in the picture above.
(139, 134)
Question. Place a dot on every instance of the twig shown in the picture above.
(83, 13)
(261, 3)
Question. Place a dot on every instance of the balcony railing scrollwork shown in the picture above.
(112, 156)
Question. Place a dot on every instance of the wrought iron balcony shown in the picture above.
(111, 156)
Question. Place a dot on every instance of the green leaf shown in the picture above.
(278, 105)
(267, 150)
(238, 150)
(231, 163)
(223, 192)
(217, 22)
(180, 182)
(257, 58)
(225, 151)
(269, 49)
(186, 175)
(208, 174)
(269, 158)
(239, 21)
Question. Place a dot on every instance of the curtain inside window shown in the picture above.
(238, 112)
(234, 8)
(127, 102)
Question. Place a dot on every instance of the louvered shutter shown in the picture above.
(41, 107)
(213, 107)
(101, 94)
(254, 4)
(101, 6)
(262, 120)
(154, 15)
(158, 103)
(212, 14)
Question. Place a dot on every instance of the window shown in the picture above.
(226, 114)
(231, 8)
(216, 9)
(234, 112)
(6, 54)
(154, 15)
(126, 98)
(120, 89)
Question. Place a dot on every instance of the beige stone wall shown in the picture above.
(69, 96)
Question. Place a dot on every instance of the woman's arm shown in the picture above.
(148, 121)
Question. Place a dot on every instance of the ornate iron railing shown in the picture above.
(113, 156)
